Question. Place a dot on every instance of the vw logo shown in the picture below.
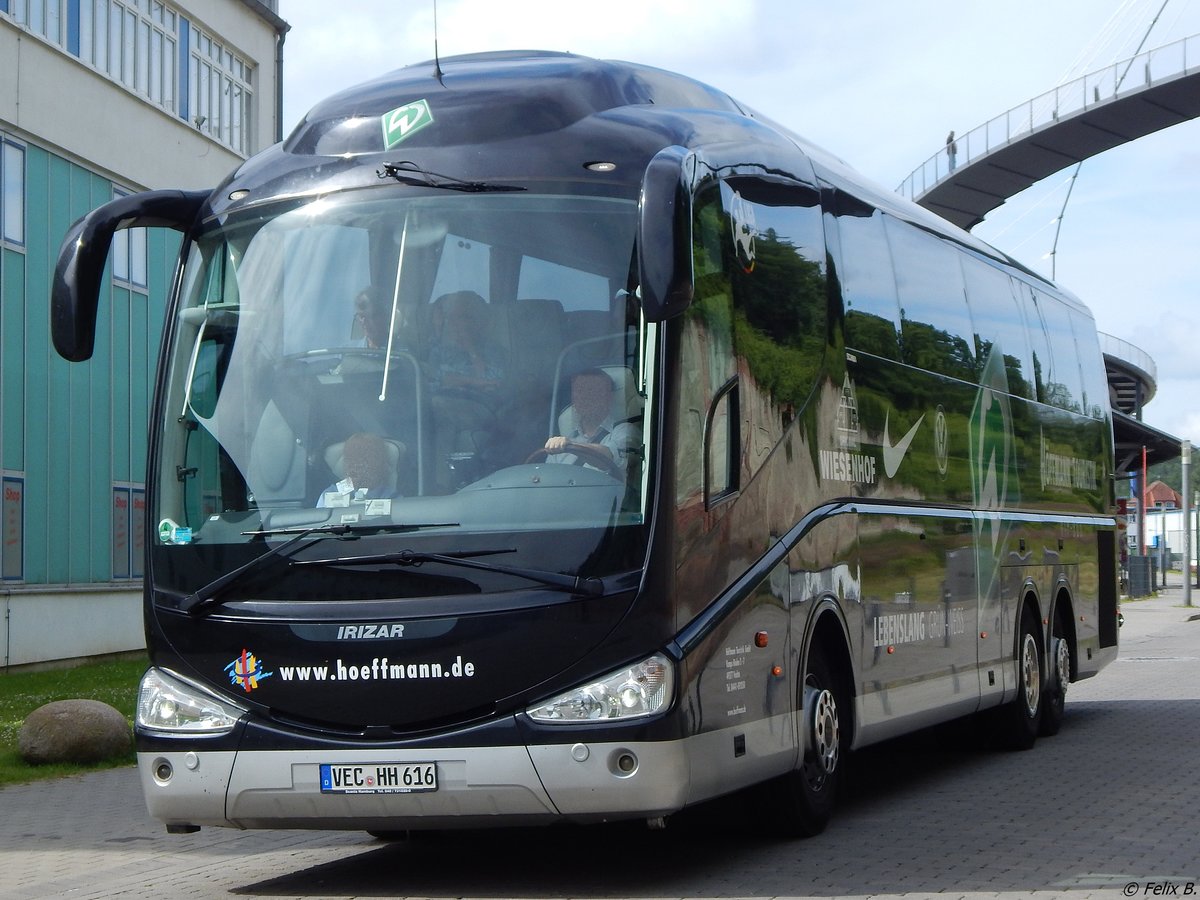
(941, 451)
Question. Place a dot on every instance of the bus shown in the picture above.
(539, 439)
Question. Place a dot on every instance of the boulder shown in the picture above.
(73, 731)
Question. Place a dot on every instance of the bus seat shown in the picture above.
(450, 317)
(277, 467)
(585, 324)
(533, 332)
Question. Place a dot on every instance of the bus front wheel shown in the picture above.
(803, 800)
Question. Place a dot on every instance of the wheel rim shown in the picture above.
(1031, 674)
(1062, 665)
(824, 733)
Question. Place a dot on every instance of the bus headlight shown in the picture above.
(169, 705)
(632, 692)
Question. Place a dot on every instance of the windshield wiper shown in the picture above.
(206, 597)
(592, 587)
(408, 172)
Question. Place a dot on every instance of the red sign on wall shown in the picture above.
(12, 550)
(137, 531)
(120, 532)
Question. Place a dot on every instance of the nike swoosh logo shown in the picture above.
(894, 455)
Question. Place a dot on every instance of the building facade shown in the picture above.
(99, 98)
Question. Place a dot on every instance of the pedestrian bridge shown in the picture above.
(1082, 118)
(1132, 382)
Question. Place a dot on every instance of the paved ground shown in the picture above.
(1106, 809)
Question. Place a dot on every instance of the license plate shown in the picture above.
(378, 778)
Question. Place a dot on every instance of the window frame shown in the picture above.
(17, 238)
(929, 285)
(135, 44)
(718, 492)
(130, 255)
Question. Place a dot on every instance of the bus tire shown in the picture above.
(1020, 720)
(802, 801)
(1058, 678)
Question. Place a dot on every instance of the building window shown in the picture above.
(12, 192)
(134, 42)
(155, 52)
(129, 254)
(219, 84)
(45, 18)
(129, 530)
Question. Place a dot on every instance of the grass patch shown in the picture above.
(114, 683)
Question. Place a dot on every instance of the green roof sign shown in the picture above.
(404, 121)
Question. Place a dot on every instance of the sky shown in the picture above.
(879, 84)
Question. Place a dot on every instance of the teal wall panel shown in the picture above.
(86, 446)
(139, 393)
(12, 360)
(97, 467)
(119, 372)
(47, 413)
(37, 230)
(100, 191)
(98, 397)
(74, 428)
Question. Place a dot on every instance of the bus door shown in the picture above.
(920, 609)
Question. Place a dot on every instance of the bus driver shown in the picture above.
(593, 428)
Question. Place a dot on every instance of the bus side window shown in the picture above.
(1039, 344)
(761, 311)
(936, 328)
(1096, 400)
(1065, 383)
(872, 315)
(705, 362)
(999, 324)
(777, 272)
(722, 437)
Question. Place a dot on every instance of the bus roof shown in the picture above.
(541, 116)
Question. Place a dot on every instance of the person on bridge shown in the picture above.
(951, 150)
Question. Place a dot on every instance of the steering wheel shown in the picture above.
(595, 458)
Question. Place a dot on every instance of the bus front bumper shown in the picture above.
(476, 786)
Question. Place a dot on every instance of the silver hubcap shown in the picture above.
(1031, 674)
(1062, 665)
(825, 735)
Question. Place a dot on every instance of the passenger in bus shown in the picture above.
(468, 385)
(366, 467)
(372, 321)
(593, 426)
(373, 313)
(462, 352)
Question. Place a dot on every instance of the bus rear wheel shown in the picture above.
(803, 800)
(1019, 721)
(1058, 678)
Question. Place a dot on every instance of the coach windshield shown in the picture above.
(470, 363)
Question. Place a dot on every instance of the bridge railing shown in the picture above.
(1103, 86)
(1129, 353)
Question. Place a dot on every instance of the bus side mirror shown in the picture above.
(75, 290)
(665, 235)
